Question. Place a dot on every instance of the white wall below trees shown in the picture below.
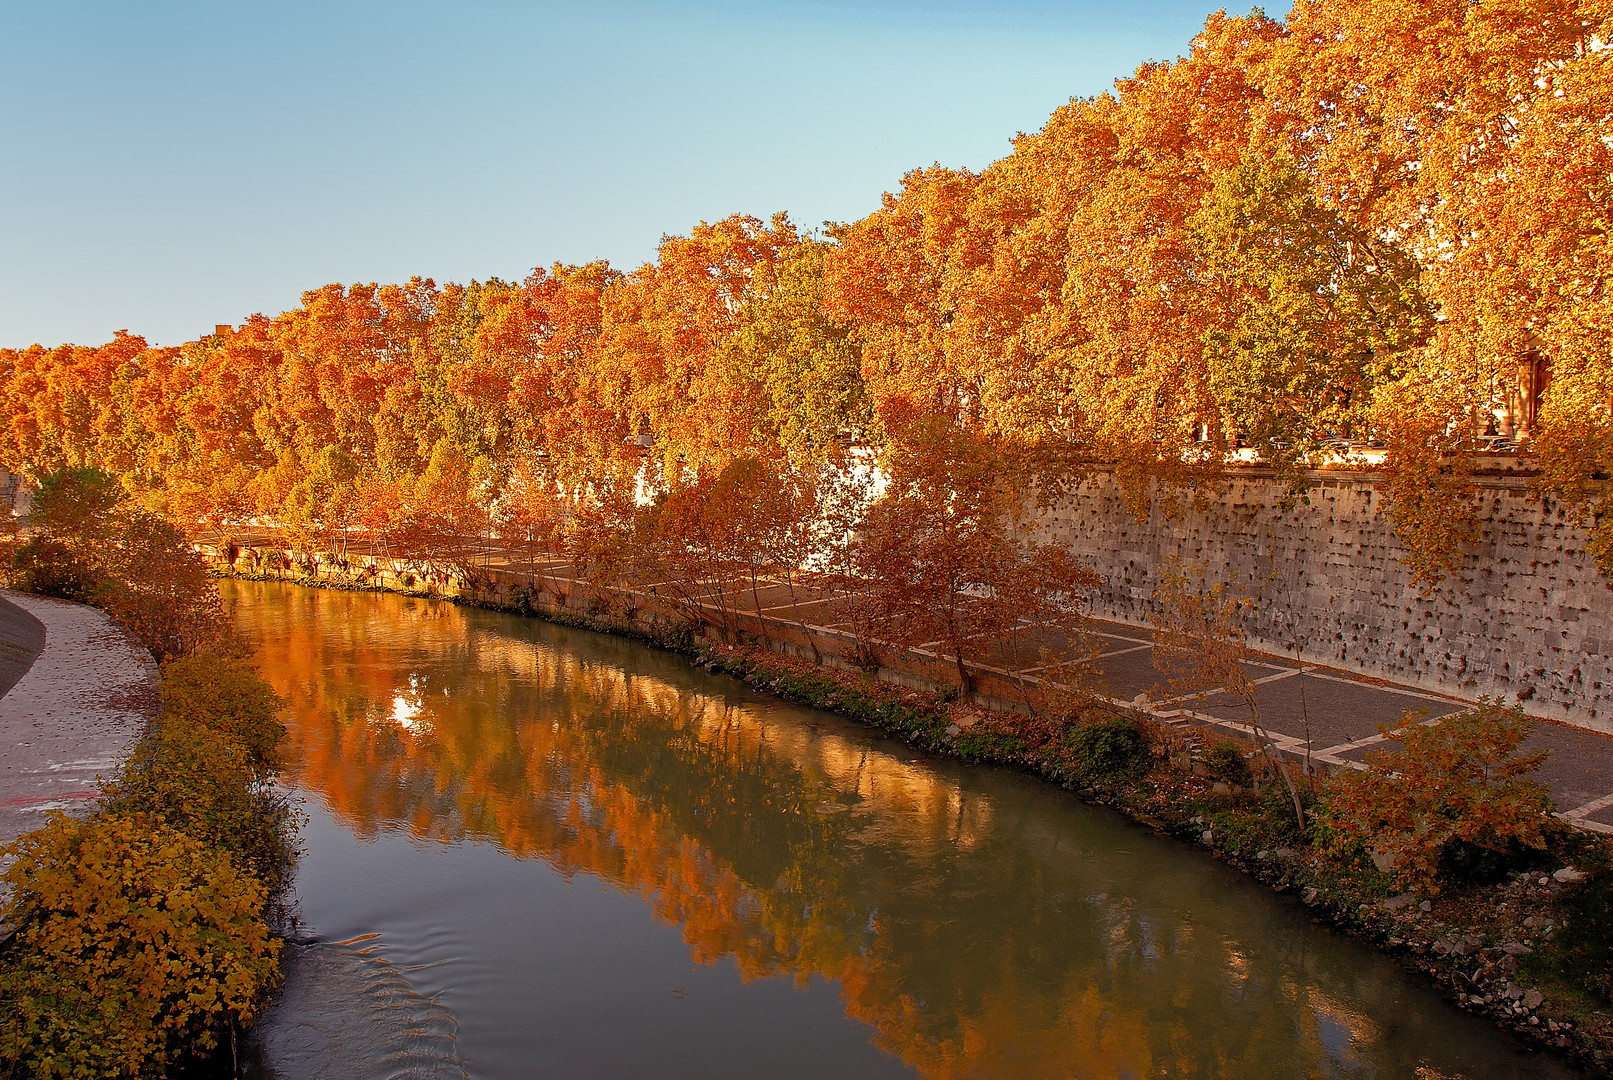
(1528, 617)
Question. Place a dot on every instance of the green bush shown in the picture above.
(76, 503)
(1225, 762)
(208, 766)
(1110, 749)
(93, 545)
(141, 931)
(136, 945)
(48, 567)
(207, 786)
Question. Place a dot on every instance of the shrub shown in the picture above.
(49, 567)
(72, 520)
(93, 545)
(1111, 748)
(224, 695)
(1225, 762)
(1459, 784)
(158, 588)
(206, 786)
(207, 767)
(135, 945)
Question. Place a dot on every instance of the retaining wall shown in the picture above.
(1529, 616)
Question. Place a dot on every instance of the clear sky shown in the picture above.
(165, 167)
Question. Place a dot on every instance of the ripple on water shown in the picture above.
(348, 1013)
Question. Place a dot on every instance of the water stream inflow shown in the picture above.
(600, 862)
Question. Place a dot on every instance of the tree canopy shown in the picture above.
(1363, 221)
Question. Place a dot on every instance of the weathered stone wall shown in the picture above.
(1529, 617)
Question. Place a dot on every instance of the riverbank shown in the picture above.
(1486, 945)
(140, 923)
(1323, 716)
(1490, 946)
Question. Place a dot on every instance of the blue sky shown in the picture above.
(167, 166)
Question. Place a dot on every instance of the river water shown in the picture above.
(599, 862)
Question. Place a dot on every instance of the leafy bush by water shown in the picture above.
(224, 695)
(141, 932)
(1449, 792)
(136, 944)
(1110, 749)
(205, 785)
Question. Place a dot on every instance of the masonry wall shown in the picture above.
(1529, 617)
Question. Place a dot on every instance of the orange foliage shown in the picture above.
(1362, 221)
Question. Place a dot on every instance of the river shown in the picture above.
(592, 860)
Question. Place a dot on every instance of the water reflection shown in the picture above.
(981, 924)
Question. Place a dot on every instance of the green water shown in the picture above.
(607, 864)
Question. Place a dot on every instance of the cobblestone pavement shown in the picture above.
(72, 711)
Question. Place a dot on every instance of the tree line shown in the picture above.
(1356, 223)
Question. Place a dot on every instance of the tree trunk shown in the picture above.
(965, 680)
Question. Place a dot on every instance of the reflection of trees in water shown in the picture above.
(972, 944)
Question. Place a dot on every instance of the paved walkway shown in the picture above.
(1335, 713)
(71, 712)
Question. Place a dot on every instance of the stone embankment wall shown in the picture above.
(1529, 617)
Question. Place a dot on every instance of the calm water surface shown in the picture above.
(607, 864)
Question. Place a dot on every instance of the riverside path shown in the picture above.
(76, 693)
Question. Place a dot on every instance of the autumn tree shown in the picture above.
(948, 559)
(665, 328)
(1464, 781)
(801, 366)
(1306, 315)
(1356, 221)
(1201, 644)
